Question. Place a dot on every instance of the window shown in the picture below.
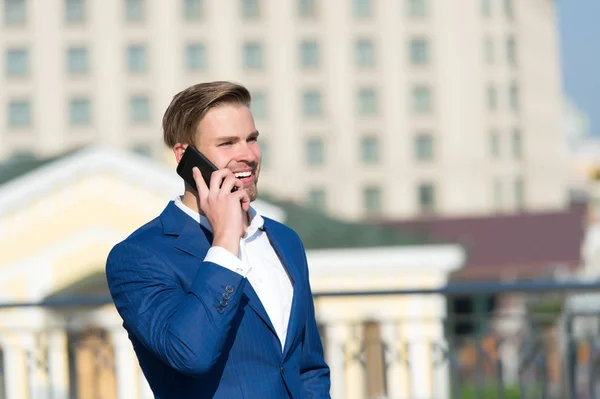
(253, 55)
(372, 200)
(134, 10)
(77, 60)
(489, 50)
(417, 8)
(426, 193)
(367, 102)
(309, 54)
(424, 147)
(317, 199)
(192, 10)
(517, 144)
(17, 62)
(497, 193)
(495, 144)
(14, 12)
(369, 148)
(195, 57)
(509, 9)
(258, 104)
(364, 53)
(514, 97)
(315, 151)
(363, 8)
(250, 8)
(421, 99)
(80, 111)
(19, 114)
(519, 193)
(144, 150)
(511, 51)
(307, 8)
(312, 104)
(492, 97)
(75, 10)
(486, 8)
(419, 51)
(137, 58)
(139, 109)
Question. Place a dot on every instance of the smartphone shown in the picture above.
(192, 157)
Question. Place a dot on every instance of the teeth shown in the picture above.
(243, 174)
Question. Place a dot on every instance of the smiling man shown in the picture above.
(216, 298)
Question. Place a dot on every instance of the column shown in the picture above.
(58, 364)
(335, 333)
(355, 370)
(125, 364)
(39, 386)
(439, 364)
(417, 353)
(15, 371)
(396, 372)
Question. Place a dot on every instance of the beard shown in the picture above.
(252, 191)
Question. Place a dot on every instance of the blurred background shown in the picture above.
(440, 160)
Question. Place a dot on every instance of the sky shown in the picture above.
(579, 28)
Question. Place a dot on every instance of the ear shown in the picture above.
(178, 150)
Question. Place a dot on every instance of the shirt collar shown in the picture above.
(256, 221)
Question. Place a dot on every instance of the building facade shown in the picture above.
(366, 108)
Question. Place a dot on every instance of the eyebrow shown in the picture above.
(234, 138)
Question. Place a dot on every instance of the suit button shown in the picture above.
(220, 309)
(226, 296)
(229, 289)
(223, 303)
(282, 369)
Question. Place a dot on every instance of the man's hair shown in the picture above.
(189, 106)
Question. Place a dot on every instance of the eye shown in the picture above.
(253, 139)
(226, 143)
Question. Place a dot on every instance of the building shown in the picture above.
(60, 218)
(365, 107)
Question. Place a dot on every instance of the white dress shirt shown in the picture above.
(258, 262)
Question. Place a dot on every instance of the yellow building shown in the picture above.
(58, 220)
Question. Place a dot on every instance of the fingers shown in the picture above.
(230, 182)
(216, 179)
(244, 199)
(200, 183)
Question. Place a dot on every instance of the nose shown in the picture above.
(246, 153)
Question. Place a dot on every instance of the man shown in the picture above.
(216, 298)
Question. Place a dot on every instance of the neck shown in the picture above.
(190, 199)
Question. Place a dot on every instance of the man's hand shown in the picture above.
(224, 210)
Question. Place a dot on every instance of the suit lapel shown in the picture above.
(196, 240)
(278, 242)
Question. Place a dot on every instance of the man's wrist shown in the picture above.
(229, 242)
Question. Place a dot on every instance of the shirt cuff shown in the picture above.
(226, 259)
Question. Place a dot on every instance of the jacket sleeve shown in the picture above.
(187, 330)
(314, 371)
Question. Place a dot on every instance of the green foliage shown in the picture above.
(490, 391)
(319, 231)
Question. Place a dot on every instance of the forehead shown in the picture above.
(226, 120)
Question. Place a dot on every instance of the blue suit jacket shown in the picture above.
(199, 330)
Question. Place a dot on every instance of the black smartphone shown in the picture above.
(192, 157)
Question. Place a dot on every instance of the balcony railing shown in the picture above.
(493, 340)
